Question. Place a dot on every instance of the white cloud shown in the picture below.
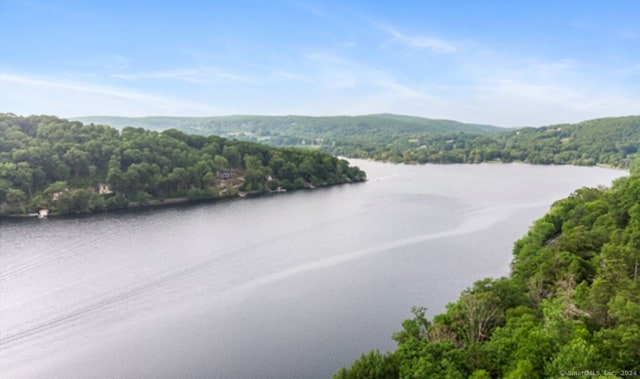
(35, 95)
(190, 76)
(404, 91)
(420, 42)
(194, 76)
(519, 102)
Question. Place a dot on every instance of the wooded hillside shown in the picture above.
(352, 136)
(47, 162)
(607, 141)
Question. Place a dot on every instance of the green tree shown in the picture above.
(74, 201)
(373, 365)
(78, 161)
(16, 198)
(220, 163)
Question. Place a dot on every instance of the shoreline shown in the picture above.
(131, 206)
(174, 201)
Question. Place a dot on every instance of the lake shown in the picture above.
(292, 285)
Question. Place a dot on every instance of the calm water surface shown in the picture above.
(289, 286)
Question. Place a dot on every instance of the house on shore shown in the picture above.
(104, 189)
(224, 174)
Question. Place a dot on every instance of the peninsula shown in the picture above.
(54, 166)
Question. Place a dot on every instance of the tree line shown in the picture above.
(47, 162)
(608, 141)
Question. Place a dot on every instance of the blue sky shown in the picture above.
(506, 63)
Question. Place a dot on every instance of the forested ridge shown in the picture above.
(351, 136)
(571, 306)
(69, 167)
(396, 138)
(607, 141)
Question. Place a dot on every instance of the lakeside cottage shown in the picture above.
(104, 189)
(56, 195)
(224, 174)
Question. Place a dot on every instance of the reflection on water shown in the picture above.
(293, 285)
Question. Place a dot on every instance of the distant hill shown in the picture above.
(309, 126)
(348, 135)
(611, 141)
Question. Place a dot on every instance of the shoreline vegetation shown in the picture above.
(50, 166)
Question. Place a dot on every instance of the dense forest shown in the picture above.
(607, 141)
(69, 167)
(395, 138)
(571, 306)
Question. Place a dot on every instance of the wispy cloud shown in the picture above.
(402, 90)
(517, 92)
(40, 83)
(336, 71)
(420, 42)
(194, 75)
(77, 96)
(507, 89)
(190, 76)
